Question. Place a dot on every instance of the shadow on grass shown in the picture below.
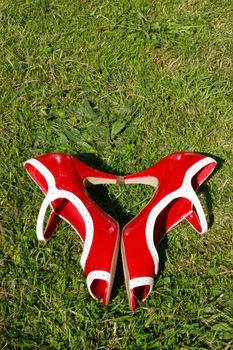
(95, 162)
(206, 191)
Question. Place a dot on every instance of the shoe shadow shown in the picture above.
(209, 206)
(162, 248)
(206, 190)
(100, 193)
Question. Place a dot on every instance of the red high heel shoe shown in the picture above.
(176, 178)
(62, 179)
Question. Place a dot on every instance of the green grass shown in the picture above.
(123, 83)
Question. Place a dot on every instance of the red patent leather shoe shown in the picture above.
(176, 179)
(62, 179)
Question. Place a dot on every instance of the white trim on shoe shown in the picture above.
(141, 281)
(97, 274)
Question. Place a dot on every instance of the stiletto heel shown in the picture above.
(62, 179)
(176, 179)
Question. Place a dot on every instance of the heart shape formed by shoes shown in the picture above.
(63, 179)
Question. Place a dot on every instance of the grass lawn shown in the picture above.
(121, 84)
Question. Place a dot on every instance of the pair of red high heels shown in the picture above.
(63, 179)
